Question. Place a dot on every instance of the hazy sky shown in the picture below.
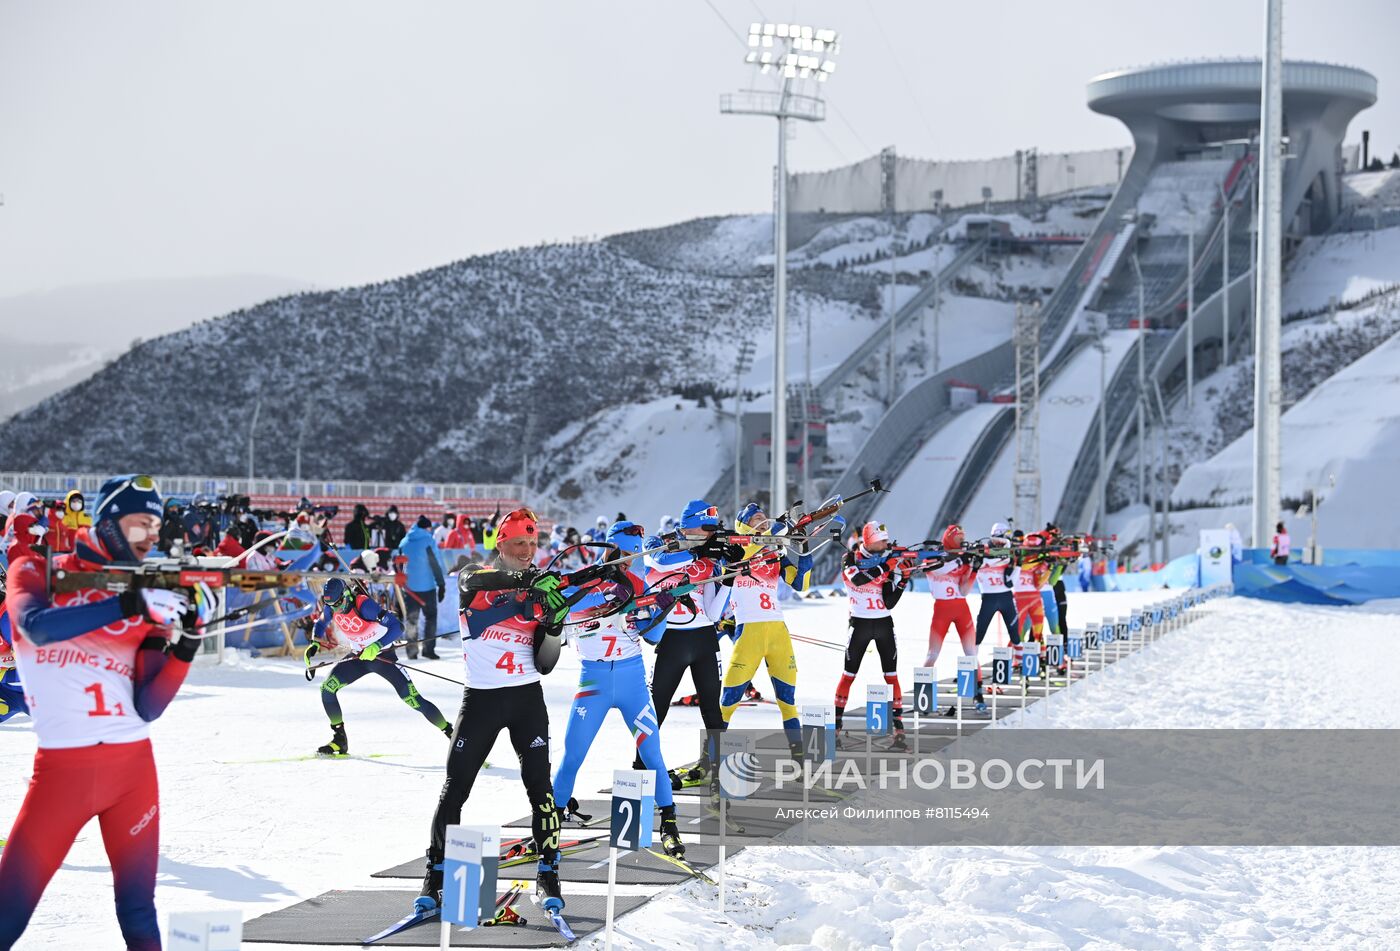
(339, 142)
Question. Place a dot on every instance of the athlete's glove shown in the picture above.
(727, 628)
(311, 651)
(441, 591)
(157, 605)
(371, 651)
(665, 600)
(544, 592)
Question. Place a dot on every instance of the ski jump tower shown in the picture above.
(1173, 108)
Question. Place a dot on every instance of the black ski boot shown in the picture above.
(898, 744)
(671, 835)
(570, 811)
(431, 895)
(547, 893)
(338, 745)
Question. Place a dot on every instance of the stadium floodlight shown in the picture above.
(801, 57)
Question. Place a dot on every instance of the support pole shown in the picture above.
(1191, 318)
(778, 492)
(1225, 287)
(1267, 299)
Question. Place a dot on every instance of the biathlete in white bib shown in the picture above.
(950, 578)
(614, 677)
(761, 636)
(512, 618)
(874, 584)
(97, 667)
(355, 625)
(691, 641)
(995, 578)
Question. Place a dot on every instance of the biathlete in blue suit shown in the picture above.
(614, 675)
(361, 631)
(11, 690)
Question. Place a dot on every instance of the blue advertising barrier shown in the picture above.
(1182, 572)
(1317, 584)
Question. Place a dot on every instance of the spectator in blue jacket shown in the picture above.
(426, 586)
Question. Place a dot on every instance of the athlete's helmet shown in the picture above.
(336, 594)
(952, 537)
(873, 532)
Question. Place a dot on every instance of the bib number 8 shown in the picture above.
(765, 601)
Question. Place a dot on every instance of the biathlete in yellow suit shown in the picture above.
(760, 634)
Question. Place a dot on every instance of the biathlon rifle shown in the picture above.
(189, 573)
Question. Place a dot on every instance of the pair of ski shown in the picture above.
(587, 821)
(522, 851)
(505, 916)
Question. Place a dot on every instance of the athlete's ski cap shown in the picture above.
(952, 536)
(874, 532)
(128, 495)
(520, 523)
(699, 514)
(627, 536)
(999, 529)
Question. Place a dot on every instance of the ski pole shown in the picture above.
(817, 642)
(422, 670)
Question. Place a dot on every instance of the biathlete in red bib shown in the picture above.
(97, 667)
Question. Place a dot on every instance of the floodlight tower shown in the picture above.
(801, 57)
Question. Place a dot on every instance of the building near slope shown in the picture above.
(1177, 108)
(1208, 112)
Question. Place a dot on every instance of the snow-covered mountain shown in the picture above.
(454, 373)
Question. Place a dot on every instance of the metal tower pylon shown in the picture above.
(1026, 341)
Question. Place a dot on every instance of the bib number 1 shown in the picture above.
(99, 703)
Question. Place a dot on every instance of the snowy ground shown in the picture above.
(238, 833)
(259, 836)
(1345, 266)
(1346, 428)
(1098, 898)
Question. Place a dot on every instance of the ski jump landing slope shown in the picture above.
(910, 507)
(1067, 410)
